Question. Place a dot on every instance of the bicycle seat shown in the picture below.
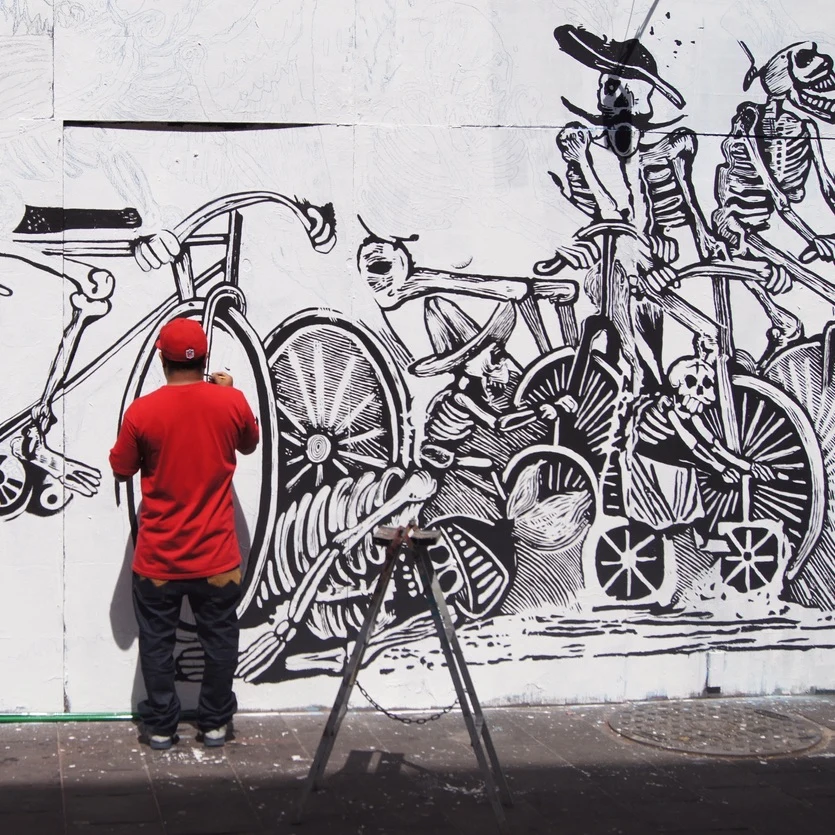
(41, 220)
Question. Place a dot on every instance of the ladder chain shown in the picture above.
(406, 720)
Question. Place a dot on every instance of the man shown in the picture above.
(183, 438)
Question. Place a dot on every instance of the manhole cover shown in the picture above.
(712, 728)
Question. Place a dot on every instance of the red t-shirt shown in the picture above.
(183, 439)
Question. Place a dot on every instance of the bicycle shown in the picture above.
(754, 524)
(212, 295)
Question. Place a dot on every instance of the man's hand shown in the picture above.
(221, 378)
(154, 251)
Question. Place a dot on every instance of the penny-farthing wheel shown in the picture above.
(234, 346)
(774, 431)
(599, 397)
(341, 402)
(799, 370)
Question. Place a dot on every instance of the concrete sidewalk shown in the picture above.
(568, 770)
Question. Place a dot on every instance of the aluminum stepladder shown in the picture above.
(415, 543)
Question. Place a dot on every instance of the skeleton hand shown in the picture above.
(779, 280)
(730, 475)
(663, 249)
(154, 251)
(654, 280)
(822, 246)
(573, 143)
(762, 472)
(581, 255)
(564, 403)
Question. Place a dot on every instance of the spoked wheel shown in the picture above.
(552, 500)
(774, 431)
(234, 346)
(799, 370)
(340, 401)
(629, 562)
(755, 557)
(594, 425)
(15, 485)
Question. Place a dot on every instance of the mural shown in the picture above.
(645, 464)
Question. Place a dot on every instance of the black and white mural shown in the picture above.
(626, 439)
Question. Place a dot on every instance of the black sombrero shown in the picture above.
(627, 59)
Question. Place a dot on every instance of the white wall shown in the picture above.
(420, 116)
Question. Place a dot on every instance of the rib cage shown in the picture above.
(308, 526)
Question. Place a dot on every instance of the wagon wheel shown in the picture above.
(773, 430)
(341, 402)
(629, 562)
(15, 484)
(595, 423)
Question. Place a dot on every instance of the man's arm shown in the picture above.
(250, 435)
(125, 458)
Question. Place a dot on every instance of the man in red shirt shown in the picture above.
(183, 439)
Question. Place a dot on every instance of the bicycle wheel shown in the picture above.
(799, 370)
(234, 346)
(552, 502)
(341, 402)
(594, 424)
(15, 484)
(626, 561)
(773, 430)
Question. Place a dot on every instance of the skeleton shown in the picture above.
(318, 575)
(769, 155)
(669, 435)
(651, 189)
(90, 301)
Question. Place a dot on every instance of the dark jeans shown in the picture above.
(157, 614)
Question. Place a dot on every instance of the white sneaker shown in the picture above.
(215, 738)
(160, 742)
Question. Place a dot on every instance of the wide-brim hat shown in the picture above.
(456, 338)
(627, 59)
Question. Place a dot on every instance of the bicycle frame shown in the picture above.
(318, 222)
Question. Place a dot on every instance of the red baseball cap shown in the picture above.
(182, 340)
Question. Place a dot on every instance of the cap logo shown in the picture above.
(189, 353)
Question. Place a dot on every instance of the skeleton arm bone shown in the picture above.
(827, 182)
(717, 449)
(574, 142)
(682, 167)
(703, 453)
(466, 402)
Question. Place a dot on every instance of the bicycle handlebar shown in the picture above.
(319, 223)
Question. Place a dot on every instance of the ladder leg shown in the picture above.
(349, 678)
(470, 707)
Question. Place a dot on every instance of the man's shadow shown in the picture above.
(188, 654)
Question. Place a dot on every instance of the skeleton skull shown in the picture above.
(804, 76)
(621, 100)
(491, 366)
(693, 382)
(386, 268)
